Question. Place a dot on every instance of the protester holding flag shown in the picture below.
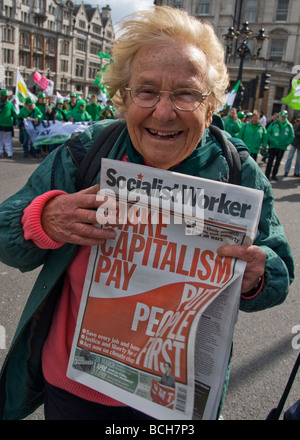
(233, 124)
(7, 116)
(30, 112)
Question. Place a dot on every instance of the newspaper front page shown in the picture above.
(159, 306)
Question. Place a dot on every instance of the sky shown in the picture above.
(121, 8)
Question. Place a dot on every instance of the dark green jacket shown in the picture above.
(21, 383)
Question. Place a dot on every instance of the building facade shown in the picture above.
(58, 39)
(278, 56)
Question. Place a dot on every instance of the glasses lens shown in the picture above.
(187, 99)
(144, 96)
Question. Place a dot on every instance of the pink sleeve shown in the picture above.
(31, 221)
(256, 291)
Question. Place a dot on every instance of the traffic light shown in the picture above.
(265, 80)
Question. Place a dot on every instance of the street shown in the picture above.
(263, 355)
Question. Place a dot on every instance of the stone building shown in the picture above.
(59, 39)
(278, 56)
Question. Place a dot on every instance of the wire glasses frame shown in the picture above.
(185, 99)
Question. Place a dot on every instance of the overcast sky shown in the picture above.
(121, 8)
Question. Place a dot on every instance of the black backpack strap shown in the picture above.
(91, 162)
(275, 412)
(230, 153)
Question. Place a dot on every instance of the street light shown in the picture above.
(242, 36)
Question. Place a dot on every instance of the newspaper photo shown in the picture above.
(159, 306)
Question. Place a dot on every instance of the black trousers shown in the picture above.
(277, 155)
(61, 405)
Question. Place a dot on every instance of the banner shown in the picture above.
(45, 83)
(21, 92)
(52, 132)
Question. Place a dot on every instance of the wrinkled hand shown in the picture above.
(255, 258)
(71, 218)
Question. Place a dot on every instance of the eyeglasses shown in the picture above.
(186, 100)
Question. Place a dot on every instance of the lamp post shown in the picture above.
(242, 37)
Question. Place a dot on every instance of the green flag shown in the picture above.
(293, 98)
(232, 94)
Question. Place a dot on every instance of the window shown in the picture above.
(96, 29)
(50, 45)
(65, 47)
(24, 59)
(38, 43)
(81, 45)
(9, 78)
(251, 11)
(279, 93)
(277, 49)
(79, 68)
(93, 70)
(24, 40)
(95, 48)
(63, 84)
(81, 24)
(203, 7)
(177, 3)
(282, 10)
(38, 61)
(8, 34)
(8, 56)
(64, 65)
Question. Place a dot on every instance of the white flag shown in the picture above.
(21, 92)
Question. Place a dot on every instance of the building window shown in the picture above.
(282, 10)
(38, 43)
(95, 48)
(277, 49)
(8, 56)
(8, 34)
(251, 11)
(203, 7)
(178, 4)
(93, 70)
(81, 24)
(9, 76)
(24, 40)
(38, 61)
(24, 59)
(79, 68)
(65, 47)
(64, 65)
(63, 84)
(96, 29)
(81, 45)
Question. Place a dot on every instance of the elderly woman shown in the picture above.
(167, 78)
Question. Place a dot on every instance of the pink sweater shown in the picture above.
(57, 347)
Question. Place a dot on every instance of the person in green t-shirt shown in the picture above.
(280, 135)
(7, 116)
(94, 108)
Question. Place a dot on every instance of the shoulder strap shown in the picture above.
(275, 412)
(90, 164)
(230, 153)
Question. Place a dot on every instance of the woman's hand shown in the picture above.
(71, 218)
(255, 258)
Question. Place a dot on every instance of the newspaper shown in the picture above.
(159, 306)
